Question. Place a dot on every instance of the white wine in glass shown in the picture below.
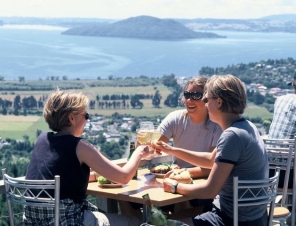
(155, 135)
(143, 136)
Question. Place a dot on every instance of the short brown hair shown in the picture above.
(230, 89)
(60, 104)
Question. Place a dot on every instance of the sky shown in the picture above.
(122, 9)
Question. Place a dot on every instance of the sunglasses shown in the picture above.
(86, 116)
(193, 95)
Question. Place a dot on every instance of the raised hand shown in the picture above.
(161, 146)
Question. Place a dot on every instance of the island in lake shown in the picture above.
(142, 27)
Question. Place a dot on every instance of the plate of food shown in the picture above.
(105, 183)
(160, 170)
(112, 185)
(158, 175)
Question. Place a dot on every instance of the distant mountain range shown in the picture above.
(143, 27)
(282, 17)
(272, 23)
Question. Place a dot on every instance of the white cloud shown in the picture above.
(121, 9)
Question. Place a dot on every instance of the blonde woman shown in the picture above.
(64, 153)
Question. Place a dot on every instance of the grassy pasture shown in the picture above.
(253, 111)
(16, 127)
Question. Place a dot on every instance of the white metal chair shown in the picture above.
(271, 144)
(254, 193)
(23, 192)
(281, 157)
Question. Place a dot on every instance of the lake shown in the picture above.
(40, 52)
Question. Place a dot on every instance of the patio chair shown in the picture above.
(254, 193)
(290, 199)
(23, 192)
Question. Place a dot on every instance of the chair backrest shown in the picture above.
(32, 193)
(280, 143)
(255, 193)
(279, 154)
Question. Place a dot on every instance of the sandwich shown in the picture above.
(161, 169)
(182, 176)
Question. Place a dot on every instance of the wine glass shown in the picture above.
(155, 135)
(144, 134)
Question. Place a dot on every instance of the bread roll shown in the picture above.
(181, 175)
(162, 169)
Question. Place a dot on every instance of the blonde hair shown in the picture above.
(230, 89)
(60, 104)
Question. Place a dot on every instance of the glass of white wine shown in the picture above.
(155, 135)
(144, 134)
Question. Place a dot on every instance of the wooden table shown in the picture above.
(135, 189)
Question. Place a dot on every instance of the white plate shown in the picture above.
(110, 185)
(158, 175)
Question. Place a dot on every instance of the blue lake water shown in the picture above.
(39, 53)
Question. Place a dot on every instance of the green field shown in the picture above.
(16, 127)
(254, 111)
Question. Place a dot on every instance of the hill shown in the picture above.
(272, 23)
(281, 17)
(144, 27)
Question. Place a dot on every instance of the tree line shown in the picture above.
(21, 106)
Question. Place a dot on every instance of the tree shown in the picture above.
(172, 100)
(135, 102)
(4, 111)
(266, 124)
(17, 102)
(16, 111)
(269, 99)
(21, 79)
(156, 99)
(29, 102)
(170, 80)
(258, 98)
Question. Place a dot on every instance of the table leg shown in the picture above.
(145, 213)
(107, 205)
(112, 206)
